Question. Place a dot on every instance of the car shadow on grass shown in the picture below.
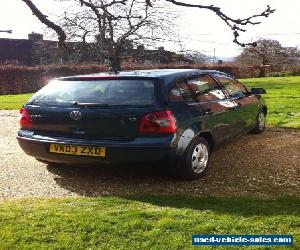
(243, 206)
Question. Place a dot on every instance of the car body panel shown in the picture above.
(110, 123)
(143, 149)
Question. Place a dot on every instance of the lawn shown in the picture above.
(283, 99)
(147, 222)
(12, 102)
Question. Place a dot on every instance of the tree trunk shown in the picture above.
(115, 63)
(115, 60)
(263, 67)
(262, 71)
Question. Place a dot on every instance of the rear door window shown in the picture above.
(110, 92)
(198, 89)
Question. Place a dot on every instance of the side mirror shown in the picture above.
(258, 91)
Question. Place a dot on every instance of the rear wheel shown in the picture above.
(196, 160)
(261, 123)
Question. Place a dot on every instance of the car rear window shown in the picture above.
(110, 92)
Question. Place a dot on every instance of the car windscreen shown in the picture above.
(106, 92)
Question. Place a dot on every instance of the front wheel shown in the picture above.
(196, 160)
(261, 123)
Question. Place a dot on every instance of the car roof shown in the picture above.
(167, 75)
(157, 73)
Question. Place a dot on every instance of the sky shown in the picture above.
(199, 30)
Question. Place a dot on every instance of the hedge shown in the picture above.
(22, 80)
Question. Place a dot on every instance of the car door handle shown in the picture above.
(208, 112)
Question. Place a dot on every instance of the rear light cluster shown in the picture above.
(158, 122)
(25, 121)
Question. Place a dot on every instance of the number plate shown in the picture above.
(78, 150)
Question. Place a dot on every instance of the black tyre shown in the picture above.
(196, 160)
(261, 123)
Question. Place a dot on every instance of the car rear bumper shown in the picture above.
(130, 152)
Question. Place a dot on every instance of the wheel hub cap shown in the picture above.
(199, 158)
(262, 119)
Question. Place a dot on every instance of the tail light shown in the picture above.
(158, 122)
(25, 121)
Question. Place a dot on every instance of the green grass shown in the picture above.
(12, 102)
(283, 99)
(147, 222)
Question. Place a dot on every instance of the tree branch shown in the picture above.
(44, 19)
(234, 24)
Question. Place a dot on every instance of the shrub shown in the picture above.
(287, 71)
(19, 80)
(22, 79)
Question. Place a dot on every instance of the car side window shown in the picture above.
(234, 88)
(197, 89)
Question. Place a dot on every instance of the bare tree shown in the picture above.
(115, 27)
(237, 25)
(106, 14)
(269, 52)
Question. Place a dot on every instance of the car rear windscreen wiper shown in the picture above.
(82, 104)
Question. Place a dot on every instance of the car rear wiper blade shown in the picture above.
(82, 104)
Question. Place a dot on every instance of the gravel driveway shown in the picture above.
(266, 165)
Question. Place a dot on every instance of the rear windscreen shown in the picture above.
(110, 92)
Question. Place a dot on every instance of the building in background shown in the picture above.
(37, 51)
(15, 51)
